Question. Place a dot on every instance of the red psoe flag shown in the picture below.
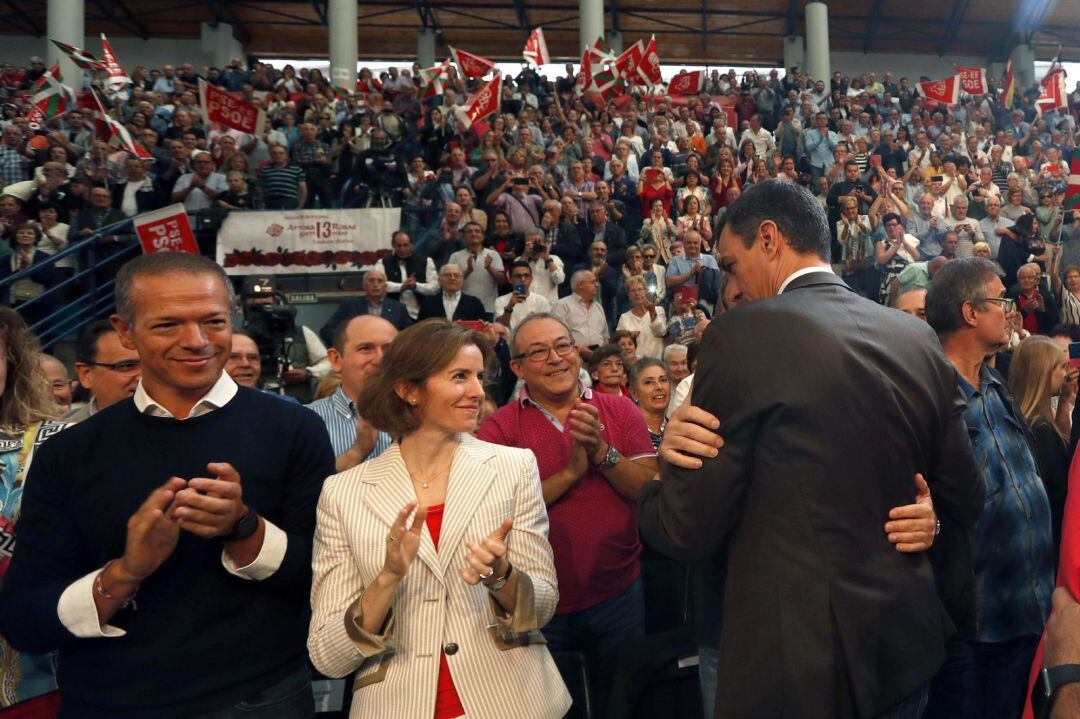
(166, 230)
(649, 67)
(485, 101)
(972, 80)
(945, 91)
(687, 83)
(117, 79)
(469, 64)
(627, 63)
(229, 110)
(1052, 94)
(536, 52)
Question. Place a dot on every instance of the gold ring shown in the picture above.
(390, 538)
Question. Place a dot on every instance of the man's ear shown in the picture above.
(123, 331)
(771, 240)
(335, 359)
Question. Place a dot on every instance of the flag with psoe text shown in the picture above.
(649, 67)
(469, 64)
(116, 78)
(166, 230)
(229, 110)
(972, 80)
(484, 101)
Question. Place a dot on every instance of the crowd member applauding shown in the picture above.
(650, 387)
(209, 528)
(467, 538)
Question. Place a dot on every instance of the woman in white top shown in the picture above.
(54, 238)
(645, 320)
(434, 556)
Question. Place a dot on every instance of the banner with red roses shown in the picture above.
(305, 241)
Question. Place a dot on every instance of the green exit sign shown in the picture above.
(302, 298)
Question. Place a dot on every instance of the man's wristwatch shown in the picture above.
(1047, 686)
(611, 458)
(494, 584)
(246, 527)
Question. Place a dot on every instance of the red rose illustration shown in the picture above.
(272, 259)
(313, 258)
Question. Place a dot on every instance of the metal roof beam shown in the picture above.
(31, 26)
(952, 28)
(875, 23)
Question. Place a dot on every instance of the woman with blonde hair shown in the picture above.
(1039, 372)
(26, 409)
(435, 553)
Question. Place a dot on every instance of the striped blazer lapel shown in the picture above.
(471, 475)
(390, 491)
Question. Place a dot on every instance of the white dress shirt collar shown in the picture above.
(799, 273)
(218, 396)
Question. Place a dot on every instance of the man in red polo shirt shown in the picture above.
(594, 454)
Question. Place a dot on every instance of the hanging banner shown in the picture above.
(230, 110)
(305, 241)
(166, 230)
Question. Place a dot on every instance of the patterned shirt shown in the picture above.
(12, 166)
(339, 414)
(1011, 544)
(305, 154)
(281, 182)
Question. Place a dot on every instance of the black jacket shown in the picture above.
(146, 199)
(392, 311)
(469, 308)
(823, 618)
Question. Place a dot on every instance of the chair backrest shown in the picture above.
(574, 670)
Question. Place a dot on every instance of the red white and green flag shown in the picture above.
(49, 97)
(469, 64)
(115, 133)
(536, 51)
(431, 80)
(601, 53)
(1072, 192)
(340, 92)
(116, 77)
(80, 57)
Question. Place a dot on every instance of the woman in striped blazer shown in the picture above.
(437, 610)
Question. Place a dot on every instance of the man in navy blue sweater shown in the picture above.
(164, 547)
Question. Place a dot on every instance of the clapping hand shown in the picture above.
(151, 533)
(403, 541)
(210, 507)
(487, 558)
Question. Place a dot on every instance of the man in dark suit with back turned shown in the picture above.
(828, 405)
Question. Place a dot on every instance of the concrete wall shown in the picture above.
(911, 66)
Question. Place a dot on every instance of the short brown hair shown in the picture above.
(415, 356)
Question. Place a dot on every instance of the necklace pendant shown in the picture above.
(423, 485)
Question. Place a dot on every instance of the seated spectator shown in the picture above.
(450, 303)
(650, 388)
(238, 197)
(105, 368)
(512, 308)
(373, 302)
(607, 370)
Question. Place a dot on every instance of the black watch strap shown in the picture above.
(1050, 681)
(246, 527)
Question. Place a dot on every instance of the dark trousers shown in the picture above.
(290, 698)
(597, 632)
(910, 708)
(982, 680)
(276, 202)
(318, 186)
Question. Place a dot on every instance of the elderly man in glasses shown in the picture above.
(106, 369)
(590, 475)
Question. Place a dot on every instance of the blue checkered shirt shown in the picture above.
(339, 415)
(13, 166)
(1011, 544)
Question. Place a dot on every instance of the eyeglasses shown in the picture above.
(540, 354)
(649, 256)
(1007, 304)
(124, 367)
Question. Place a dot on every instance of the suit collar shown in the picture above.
(814, 277)
(471, 475)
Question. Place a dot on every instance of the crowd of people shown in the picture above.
(794, 351)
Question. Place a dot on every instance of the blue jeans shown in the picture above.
(982, 680)
(708, 668)
(597, 632)
(289, 698)
(910, 708)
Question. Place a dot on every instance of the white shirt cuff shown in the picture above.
(78, 612)
(275, 542)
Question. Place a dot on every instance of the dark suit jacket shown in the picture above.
(614, 238)
(393, 312)
(829, 404)
(146, 199)
(469, 308)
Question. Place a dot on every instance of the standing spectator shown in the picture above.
(198, 189)
(282, 183)
(209, 527)
(481, 266)
(408, 275)
(645, 320)
(313, 157)
(1038, 309)
(548, 269)
(993, 226)
(522, 208)
(594, 453)
(967, 307)
(373, 302)
(582, 314)
(139, 193)
(14, 162)
(512, 308)
(580, 188)
(688, 268)
(450, 303)
(650, 388)
(357, 351)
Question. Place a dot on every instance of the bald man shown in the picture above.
(373, 302)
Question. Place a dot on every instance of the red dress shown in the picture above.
(447, 701)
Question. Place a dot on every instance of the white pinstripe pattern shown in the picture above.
(433, 605)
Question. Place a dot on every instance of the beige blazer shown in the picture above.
(501, 667)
